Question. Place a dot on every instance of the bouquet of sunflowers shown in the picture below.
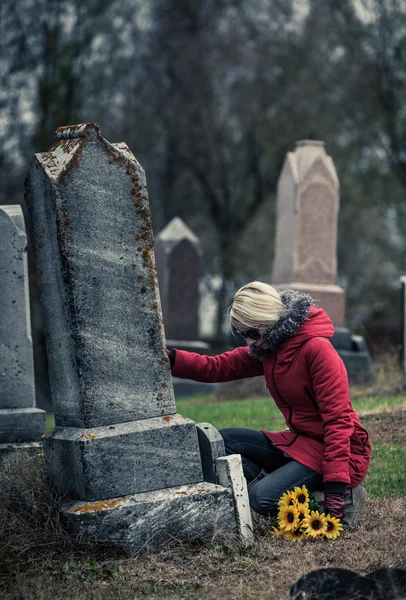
(299, 517)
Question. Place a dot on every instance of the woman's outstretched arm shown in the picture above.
(236, 364)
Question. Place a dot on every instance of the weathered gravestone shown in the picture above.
(306, 244)
(130, 464)
(21, 423)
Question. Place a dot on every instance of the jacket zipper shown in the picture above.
(283, 400)
(306, 389)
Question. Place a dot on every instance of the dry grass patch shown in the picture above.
(39, 560)
(388, 426)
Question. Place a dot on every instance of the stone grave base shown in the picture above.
(21, 424)
(330, 297)
(124, 458)
(150, 519)
(355, 354)
(147, 520)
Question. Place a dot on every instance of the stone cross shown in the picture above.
(179, 262)
(130, 464)
(306, 227)
(21, 423)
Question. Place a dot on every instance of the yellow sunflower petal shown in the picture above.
(302, 494)
(303, 510)
(287, 499)
(315, 524)
(288, 518)
(333, 528)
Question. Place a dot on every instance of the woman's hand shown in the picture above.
(171, 356)
(334, 505)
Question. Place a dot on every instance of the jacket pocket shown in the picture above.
(307, 391)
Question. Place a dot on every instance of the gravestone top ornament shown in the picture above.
(175, 232)
(119, 450)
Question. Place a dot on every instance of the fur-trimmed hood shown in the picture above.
(301, 320)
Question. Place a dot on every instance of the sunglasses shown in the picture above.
(252, 334)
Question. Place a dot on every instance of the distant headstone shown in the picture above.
(306, 227)
(21, 423)
(306, 244)
(179, 263)
(129, 463)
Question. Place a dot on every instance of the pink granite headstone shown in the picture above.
(306, 228)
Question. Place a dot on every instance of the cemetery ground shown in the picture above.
(39, 560)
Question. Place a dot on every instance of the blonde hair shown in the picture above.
(256, 303)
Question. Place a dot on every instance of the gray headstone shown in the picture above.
(89, 211)
(117, 434)
(178, 256)
(16, 358)
(20, 420)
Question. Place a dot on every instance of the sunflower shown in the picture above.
(303, 511)
(287, 499)
(288, 518)
(295, 535)
(315, 524)
(302, 495)
(334, 527)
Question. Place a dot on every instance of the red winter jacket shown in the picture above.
(308, 381)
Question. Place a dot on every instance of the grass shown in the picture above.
(257, 413)
(38, 560)
(262, 413)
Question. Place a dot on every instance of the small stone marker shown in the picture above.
(179, 263)
(129, 463)
(21, 423)
(306, 227)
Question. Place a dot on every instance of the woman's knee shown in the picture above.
(230, 436)
(261, 504)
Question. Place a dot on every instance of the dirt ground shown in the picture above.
(385, 427)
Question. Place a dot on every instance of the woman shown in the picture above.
(324, 445)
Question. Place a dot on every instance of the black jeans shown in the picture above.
(258, 453)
